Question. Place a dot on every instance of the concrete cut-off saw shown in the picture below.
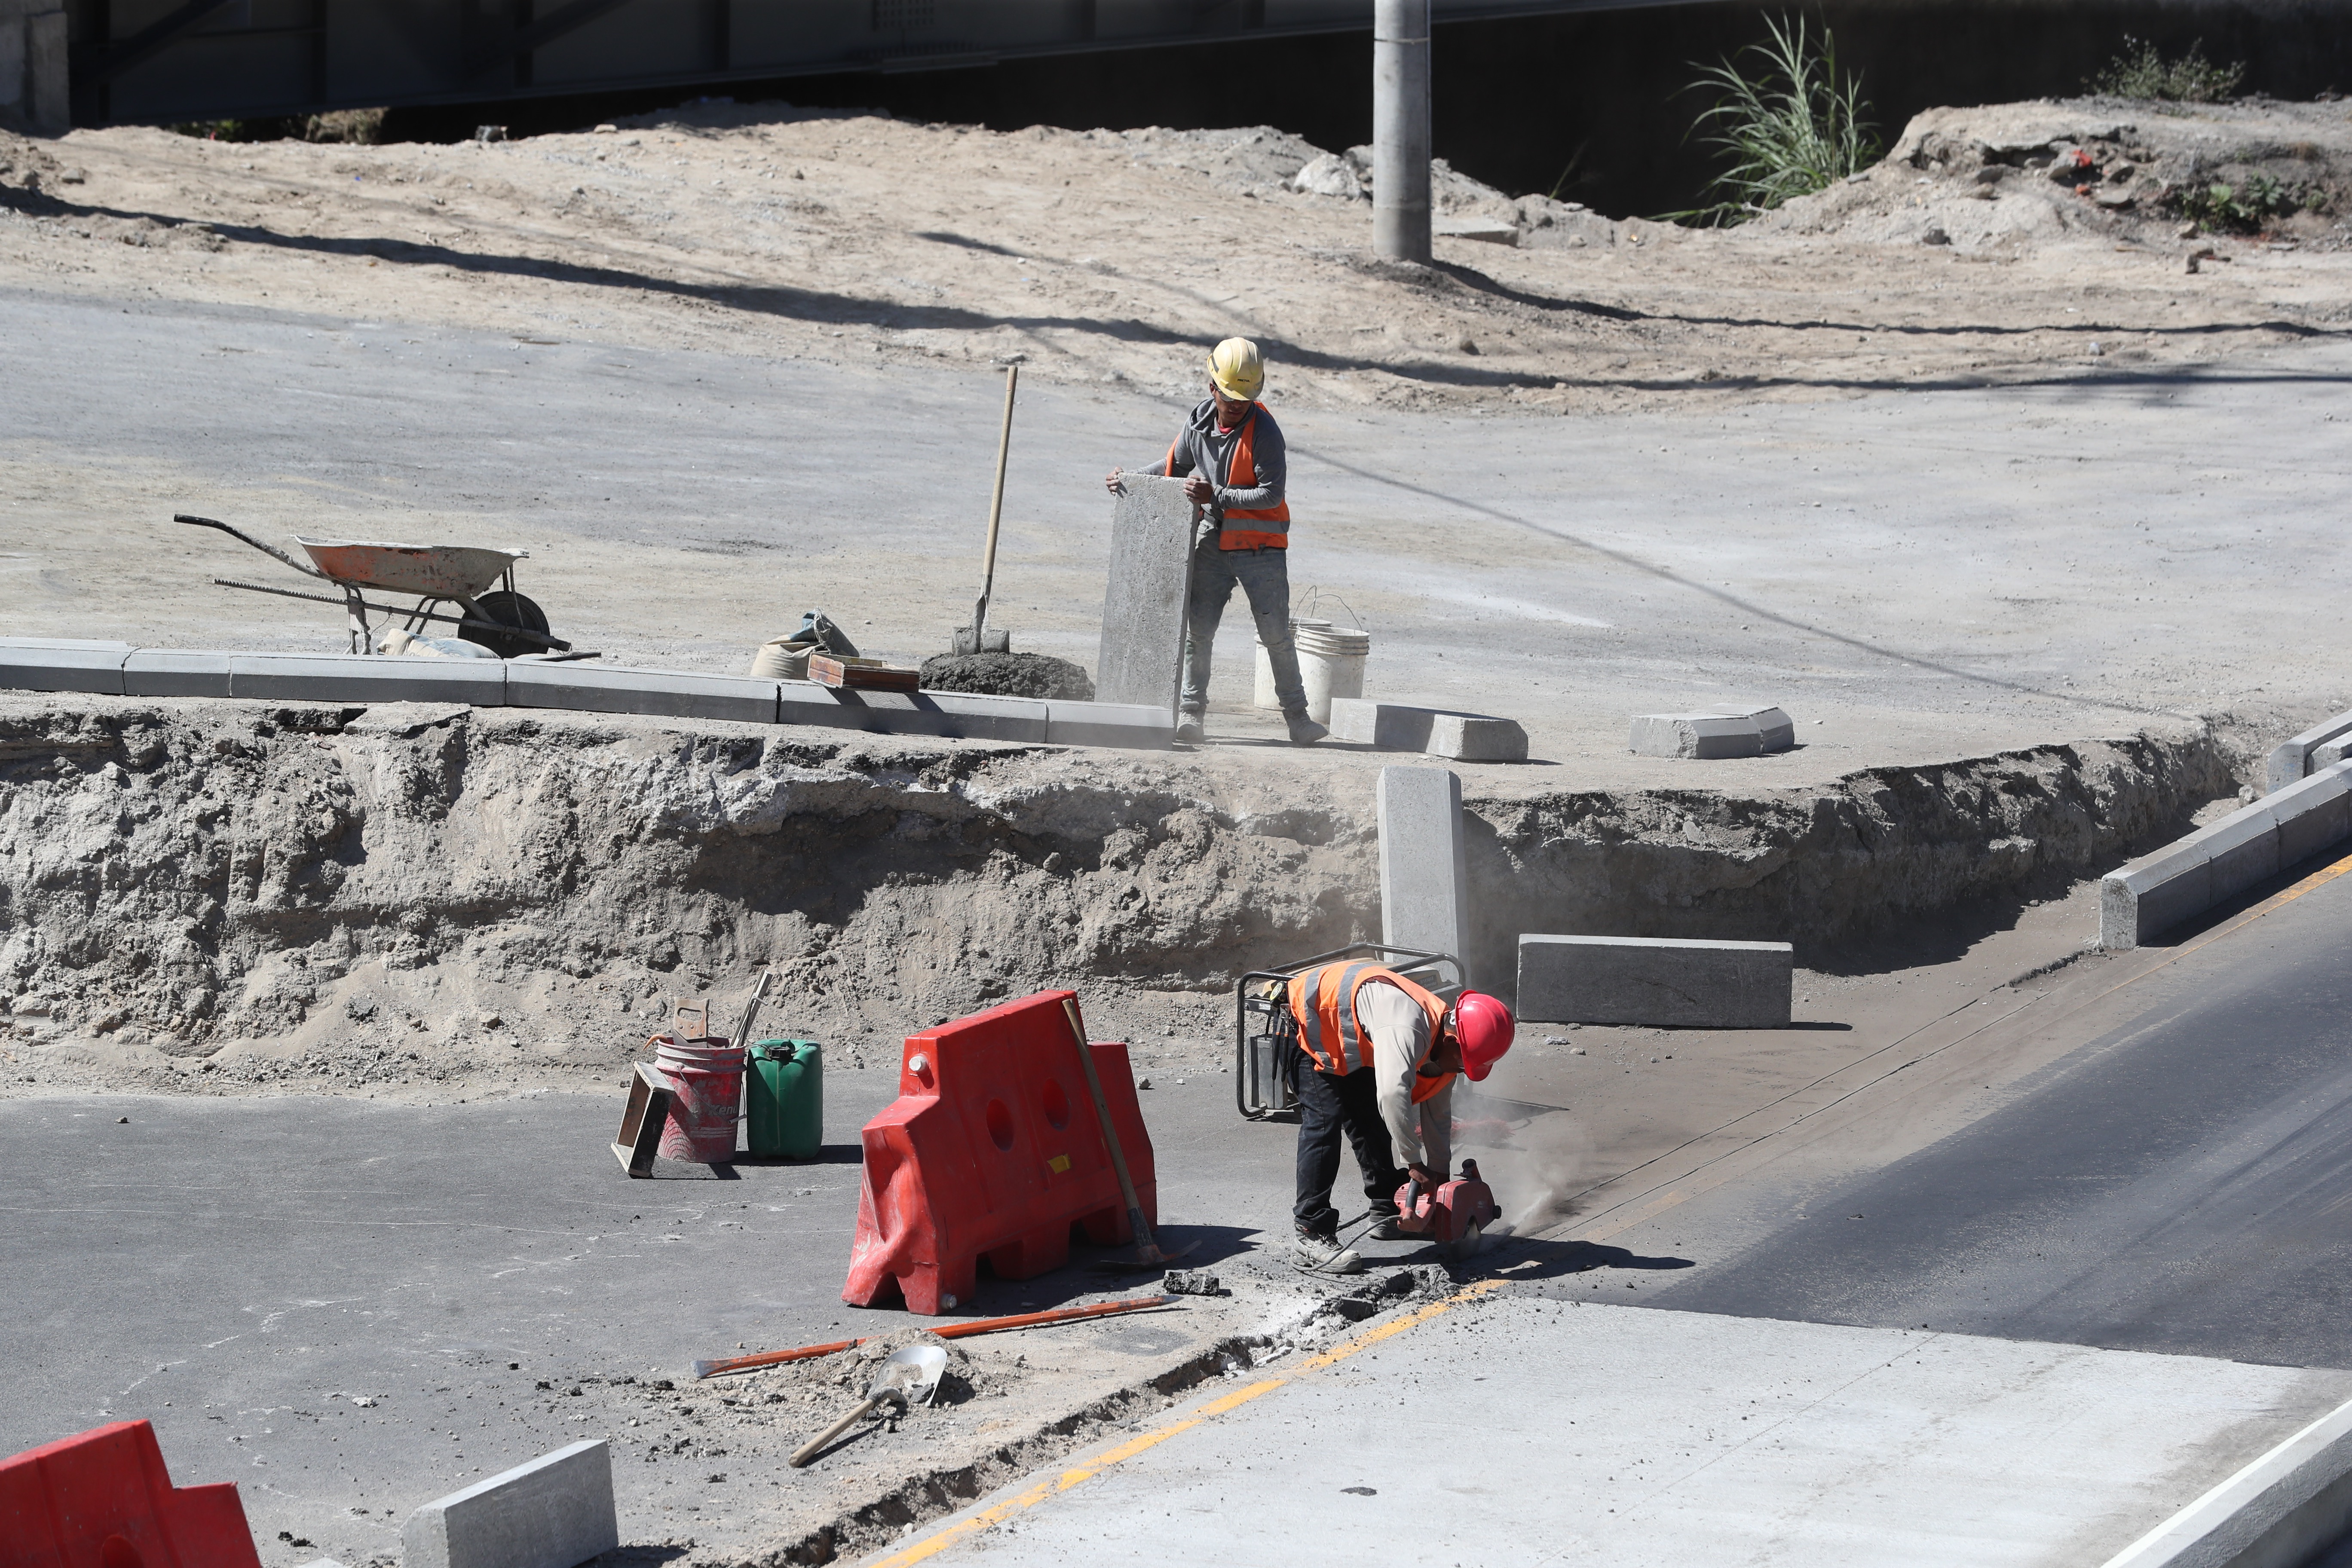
(1454, 1215)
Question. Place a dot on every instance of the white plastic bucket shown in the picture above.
(1330, 664)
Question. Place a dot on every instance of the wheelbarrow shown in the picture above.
(480, 584)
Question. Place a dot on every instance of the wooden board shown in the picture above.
(861, 674)
(647, 1111)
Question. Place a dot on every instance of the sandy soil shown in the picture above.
(1110, 257)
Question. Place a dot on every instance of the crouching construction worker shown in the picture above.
(1376, 1055)
(1230, 456)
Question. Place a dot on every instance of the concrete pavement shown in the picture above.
(1526, 1429)
(1927, 575)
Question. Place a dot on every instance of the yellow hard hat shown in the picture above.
(1237, 369)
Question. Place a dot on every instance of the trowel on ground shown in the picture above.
(905, 1377)
(977, 637)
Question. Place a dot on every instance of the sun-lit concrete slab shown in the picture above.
(1526, 1429)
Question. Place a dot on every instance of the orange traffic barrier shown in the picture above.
(991, 1150)
(103, 1499)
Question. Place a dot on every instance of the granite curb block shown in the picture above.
(1706, 737)
(2279, 1511)
(1658, 981)
(2183, 879)
(63, 664)
(120, 669)
(1440, 731)
(1424, 871)
(555, 1511)
(2300, 757)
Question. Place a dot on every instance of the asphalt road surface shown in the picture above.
(2181, 1184)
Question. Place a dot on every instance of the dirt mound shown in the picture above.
(2016, 176)
(1008, 675)
(203, 896)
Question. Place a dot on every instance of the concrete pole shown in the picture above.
(1401, 129)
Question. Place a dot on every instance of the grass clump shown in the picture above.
(2219, 207)
(2142, 73)
(1789, 121)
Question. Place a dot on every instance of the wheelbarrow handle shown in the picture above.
(302, 567)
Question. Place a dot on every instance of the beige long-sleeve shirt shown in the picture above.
(1400, 1032)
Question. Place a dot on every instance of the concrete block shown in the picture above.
(2139, 901)
(553, 1512)
(1440, 731)
(662, 693)
(1109, 724)
(176, 672)
(2294, 759)
(1140, 661)
(62, 664)
(1705, 737)
(2328, 753)
(954, 714)
(1424, 871)
(2242, 848)
(365, 677)
(1656, 981)
(2314, 815)
(1477, 738)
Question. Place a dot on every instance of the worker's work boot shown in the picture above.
(1304, 731)
(1190, 730)
(1323, 1254)
(1385, 1229)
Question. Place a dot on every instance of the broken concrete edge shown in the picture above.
(2159, 890)
(121, 670)
(926, 1497)
(2282, 1509)
(553, 1512)
(2292, 760)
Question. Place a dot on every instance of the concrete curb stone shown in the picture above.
(1423, 862)
(176, 672)
(555, 1511)
(2279, 1511)
(366, 677)
(1658, 981)
(2296, 758)
(662, 693)
(1439, 732)
(1707, 737)
(2185, 878)
(63, 664)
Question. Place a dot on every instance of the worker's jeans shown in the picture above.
(1327, 1105)
(1264, 576)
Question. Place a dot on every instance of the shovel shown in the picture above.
(910, 1377)
(1148, 1254)
(976, 637)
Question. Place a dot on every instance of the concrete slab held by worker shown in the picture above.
(1374, 1057)
(1231, 455)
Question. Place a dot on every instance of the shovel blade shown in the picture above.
(991, 640)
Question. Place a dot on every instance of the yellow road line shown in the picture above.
(930, 1546)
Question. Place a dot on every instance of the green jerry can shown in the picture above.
(783, 1100)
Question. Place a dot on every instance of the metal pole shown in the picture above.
(1401, 129)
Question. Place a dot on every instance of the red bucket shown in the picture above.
(707, 1074)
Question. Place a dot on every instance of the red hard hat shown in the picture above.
(1484, 1026)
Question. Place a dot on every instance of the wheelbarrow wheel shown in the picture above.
(508, 610)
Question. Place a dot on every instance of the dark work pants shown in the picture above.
(1327, 1106)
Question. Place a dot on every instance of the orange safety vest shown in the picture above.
(1243, 462)
(1323, 1002)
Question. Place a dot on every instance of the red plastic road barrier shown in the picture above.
(991, 1150)
(104, 1501)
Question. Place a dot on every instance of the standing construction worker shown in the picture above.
(1376, 1056)
(1230, 456)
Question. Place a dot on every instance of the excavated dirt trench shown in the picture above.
(416, 900)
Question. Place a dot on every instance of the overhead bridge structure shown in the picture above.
(160, 61)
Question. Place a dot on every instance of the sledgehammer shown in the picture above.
(1148, 1254)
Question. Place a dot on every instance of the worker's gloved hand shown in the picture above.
(1199, 491)
(1419, 1173)
(1115, 482)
